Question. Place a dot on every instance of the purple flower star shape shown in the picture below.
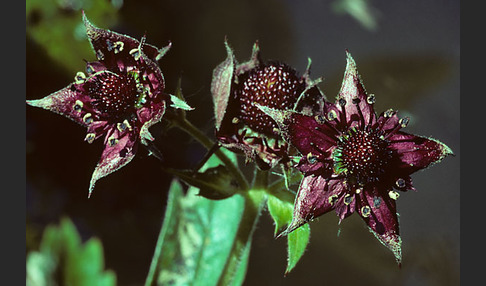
(237, 89)
(119, 97)
(354, 160)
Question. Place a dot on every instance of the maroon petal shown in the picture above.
(345, 205)
(120, 148)
(108, 44)
(148, 117)
(417, 152)
(316, 196)
(379, 213)
(310, 165)
(309, 134)
(352, 97)
(66, 102)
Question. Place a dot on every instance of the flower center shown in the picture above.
(274, 85)
(362, 155)
(114, 95)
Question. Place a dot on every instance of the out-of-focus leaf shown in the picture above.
(57, 27)
(215, 183)
(360, 10)
(196, 237)
(63, 260)
(297, 242)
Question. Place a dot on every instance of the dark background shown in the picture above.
(409, 58)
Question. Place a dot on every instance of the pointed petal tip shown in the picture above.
(162, 51)
(393, 242)
(350, 61)
(256, 45)
(44, 103)
(445, 149)
(255, 53)
(91, 186)
(32, 102)
(85, 18)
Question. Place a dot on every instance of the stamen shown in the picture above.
(80, 78)
(323, 152)
(331, 115)
(386, 116)
(356, 102)
(112, 141)
(342, 103)
(365, 211)
(311, 158)
(404, 122)
(348, 199)
(395, 130)
(90, 137)
(87, 118)
(371, 98)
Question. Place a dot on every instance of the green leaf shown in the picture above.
(281, 212)
(63, 260)
(196, 237)
(296, 242)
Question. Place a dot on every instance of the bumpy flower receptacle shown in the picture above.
(238, 89)
(354, 160)
(119, 96)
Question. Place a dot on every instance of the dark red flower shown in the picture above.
(237, 89)
(354, 160)
(119, 97)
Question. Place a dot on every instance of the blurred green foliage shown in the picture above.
(57, 27)
(63, 260)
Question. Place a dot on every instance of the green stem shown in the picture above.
(192, 130)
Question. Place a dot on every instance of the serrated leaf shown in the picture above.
(64, 260)
(196, 238)
(296, 244)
